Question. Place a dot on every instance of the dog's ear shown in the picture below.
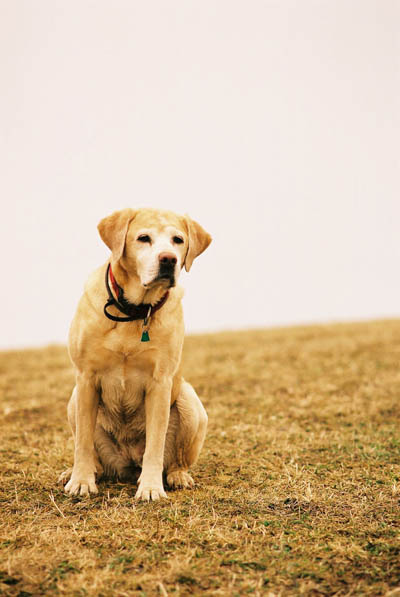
(113, 230)
(198, 239)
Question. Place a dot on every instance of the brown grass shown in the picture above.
(298, 486)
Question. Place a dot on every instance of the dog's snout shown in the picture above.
(167, 259)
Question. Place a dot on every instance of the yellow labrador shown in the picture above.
(130, 405)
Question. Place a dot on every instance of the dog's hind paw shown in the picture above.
(180, 479)
(65, 476)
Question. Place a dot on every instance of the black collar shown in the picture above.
(133, 312)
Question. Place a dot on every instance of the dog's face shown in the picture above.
(153, 245)
(157, 245)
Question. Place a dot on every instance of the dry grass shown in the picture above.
(298, 484)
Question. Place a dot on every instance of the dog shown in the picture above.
(131, 409)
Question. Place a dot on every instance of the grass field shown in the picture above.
(298, 485)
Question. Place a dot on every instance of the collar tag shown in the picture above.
(145, 327)
(145, 336)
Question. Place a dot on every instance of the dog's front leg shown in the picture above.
(82, 479)
(157, 407)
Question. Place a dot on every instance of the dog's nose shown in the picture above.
(167, 259)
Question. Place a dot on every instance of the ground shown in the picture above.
(298, 484)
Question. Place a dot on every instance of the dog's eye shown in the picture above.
(178, 240)
(144, 238)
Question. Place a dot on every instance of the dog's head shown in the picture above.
(153, 244)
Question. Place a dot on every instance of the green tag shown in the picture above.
(145, 336)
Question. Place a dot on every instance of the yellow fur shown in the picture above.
(130, 406)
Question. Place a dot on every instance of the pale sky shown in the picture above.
(273, 123)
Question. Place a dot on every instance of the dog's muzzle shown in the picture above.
(166, 271)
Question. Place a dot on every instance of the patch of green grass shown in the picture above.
(62, 569)
(298, 484)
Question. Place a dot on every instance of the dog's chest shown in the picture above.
(124, 341)
(122, 393)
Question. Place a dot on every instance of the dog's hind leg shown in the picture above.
(185, 436)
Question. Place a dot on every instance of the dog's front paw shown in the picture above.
(150, 488)
(81, 483)
(180, 479)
